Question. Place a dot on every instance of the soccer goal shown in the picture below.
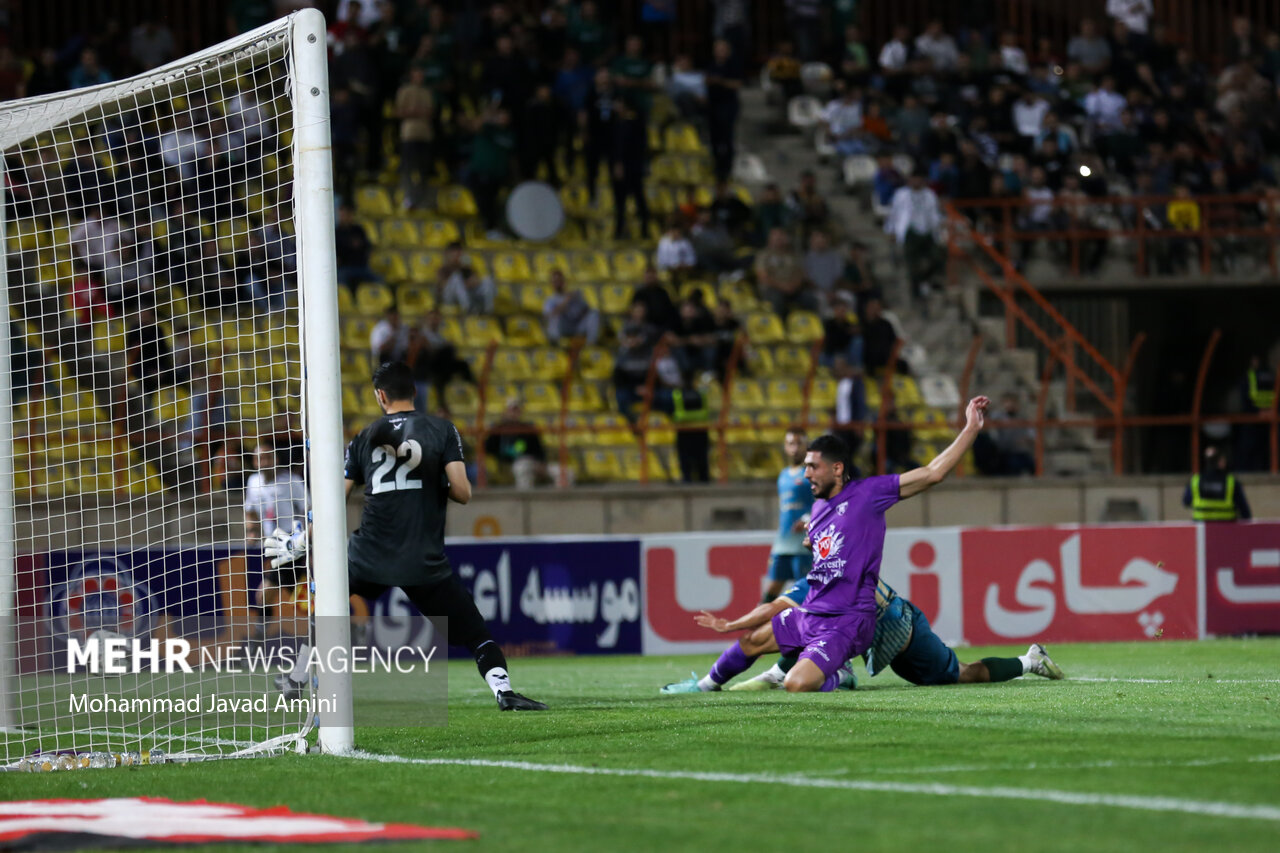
(173, 329)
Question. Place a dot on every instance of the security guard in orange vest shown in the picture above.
(1216, 494)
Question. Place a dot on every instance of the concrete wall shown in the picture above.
(587, 510)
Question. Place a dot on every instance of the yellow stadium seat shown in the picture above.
(766, 462)
(589, 266)
(661, 201)
(425, 266)
(511, 364)
(357, 366)
(414, 300)
(389, 265)
(108, 336)
(629, 264)
(771, 427)
(660, 431)
(373, 201)
(682, 138)
(792, 360)
(739, 468)
(699, 288)
(578, 431)
(576, 200)
(740, 429)
(872, 387)
(759, 361)
(746, 394)
(804, 327)
(461, 398)
(358, 403)
(512, 267)
(609, 429)
(439, 233)
(355, 332)
(632, 467)
(549, 363)
(713, 395)
(374, 299)
(595, 363)
(590, 295)
(534, 296)
(451, 331)
(481, 331)
(602, 466)
(172, 404)
(505, 300)
(457, 202)
(544, 263)
(764, 329)
(541, 398)
(785, 395)
(616, 298)
(905, 391)
(496, 395)
(401, 234)
(525, 332)
(822, 396)
(346, 304)
(584, 398)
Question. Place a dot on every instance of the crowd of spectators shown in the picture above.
(1121, 109)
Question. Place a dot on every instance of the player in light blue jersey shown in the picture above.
(904, 642)
(790, 559)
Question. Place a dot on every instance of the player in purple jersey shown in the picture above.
(846, 531)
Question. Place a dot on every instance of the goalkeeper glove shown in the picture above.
(283, 548)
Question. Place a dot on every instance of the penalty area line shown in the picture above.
(1207, 808)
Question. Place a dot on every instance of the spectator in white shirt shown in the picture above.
(1038, 215)
(566, 313)
(471, 292)
(389, 338)
(896, 52)
(914, 221)
(687, 87)
(1028, 115)
(1012, 57)
(274, 499)
(938, 46)
(675, 252)
(184, 147)
(1104, 105)
(1134, 13)
(95, 242)
(842, 120)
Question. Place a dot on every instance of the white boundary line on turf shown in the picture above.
(1073, 798)
(1084, 765)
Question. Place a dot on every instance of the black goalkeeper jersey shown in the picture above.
(400, 460)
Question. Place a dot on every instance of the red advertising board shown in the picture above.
(1079, 584)
(1242, 578)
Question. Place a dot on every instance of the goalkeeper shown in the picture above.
(904, 642)
(411, 465)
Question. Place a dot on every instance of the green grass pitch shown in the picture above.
(1162, 725)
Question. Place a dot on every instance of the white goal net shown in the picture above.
(171, 399)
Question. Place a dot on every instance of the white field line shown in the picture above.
(1073, 798)
(1083, 765)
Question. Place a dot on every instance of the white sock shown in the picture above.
(498, 680)
(706, 685)
(299, 673)
(1026, 663)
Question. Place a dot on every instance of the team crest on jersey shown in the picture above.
(828, 543)
(843, 508)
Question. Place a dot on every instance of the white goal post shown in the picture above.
(174, 339)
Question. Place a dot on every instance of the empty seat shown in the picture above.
(804, 327)
(525, 332)
(764, 329)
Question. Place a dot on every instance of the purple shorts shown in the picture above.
(828, 641)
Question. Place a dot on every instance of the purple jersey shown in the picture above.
(847, 534)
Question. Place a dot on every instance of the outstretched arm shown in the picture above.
(754, 619)
(914, 482)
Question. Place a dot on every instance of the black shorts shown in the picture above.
(446, 598)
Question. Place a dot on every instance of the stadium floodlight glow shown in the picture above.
(172, 301)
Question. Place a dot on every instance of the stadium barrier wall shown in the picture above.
(632, 595)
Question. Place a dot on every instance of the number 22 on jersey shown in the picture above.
(387, 457)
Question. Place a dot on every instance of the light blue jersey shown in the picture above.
(794, 502)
